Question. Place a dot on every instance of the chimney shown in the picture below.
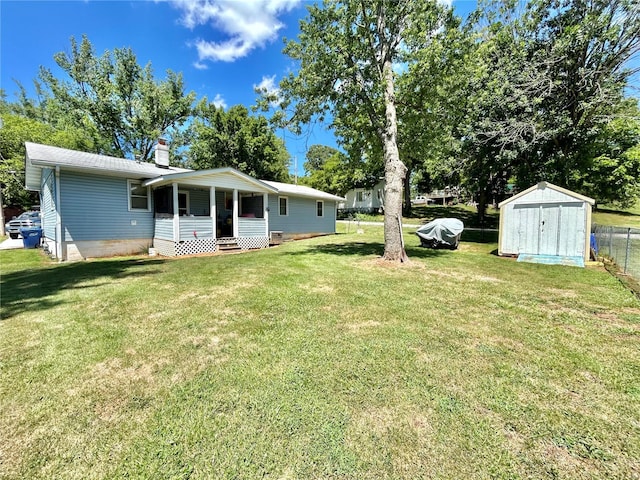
(162, 154)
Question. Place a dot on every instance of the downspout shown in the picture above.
(60, 254)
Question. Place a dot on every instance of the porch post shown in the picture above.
(265, 207)
(176, 213)
(235, 213)
(212, 211)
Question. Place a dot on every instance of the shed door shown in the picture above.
(551, 229)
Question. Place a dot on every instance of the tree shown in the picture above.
(15, 131)
(113, 97)
(431, 110)
(330, 170)
(545, 83)
(347, 51)
(317, 156)
(236, 139)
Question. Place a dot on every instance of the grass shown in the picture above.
(315, 360)
(603, 215)
(423, 214)
(610, 215)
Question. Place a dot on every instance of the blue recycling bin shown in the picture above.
(31, 236)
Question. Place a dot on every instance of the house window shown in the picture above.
(320, 208)
(283, 203)
(360, 196)
(138, 196)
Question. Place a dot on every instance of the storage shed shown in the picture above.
(546, 220)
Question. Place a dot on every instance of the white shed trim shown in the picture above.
(540, 225)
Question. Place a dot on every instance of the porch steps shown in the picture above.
(227, 244)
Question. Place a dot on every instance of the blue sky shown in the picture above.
(223, 48)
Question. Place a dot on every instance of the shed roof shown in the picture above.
(543, 185)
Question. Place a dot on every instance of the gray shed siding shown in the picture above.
(545, 221)
(48, 205)
(302, 217)
(96, 208)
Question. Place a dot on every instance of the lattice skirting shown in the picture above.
(246, 243)
(169, 248)
(191, 247)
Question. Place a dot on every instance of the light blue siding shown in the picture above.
(164, 228)
(192, 228)
(252, 227)
(302, 217)
(48, 203)
(96, 208)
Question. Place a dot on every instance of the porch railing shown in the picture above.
(252, 227)
(192, 228)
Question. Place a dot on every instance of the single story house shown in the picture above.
(95, 205)
(364, 200)
(546, 220)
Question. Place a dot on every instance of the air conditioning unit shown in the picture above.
(276, 237)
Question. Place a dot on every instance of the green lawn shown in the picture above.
(610, 215)
(316, 360)
(603, 215)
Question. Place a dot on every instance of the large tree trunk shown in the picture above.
(394, 174)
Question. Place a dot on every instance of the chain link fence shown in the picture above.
(621, 244)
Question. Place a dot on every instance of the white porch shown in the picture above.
(209, 211)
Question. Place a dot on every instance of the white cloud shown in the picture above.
(268, 86)
(247, 24)
(200, 66)
(218, 101)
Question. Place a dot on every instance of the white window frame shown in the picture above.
(286, 199)
(132, 209)
(321, 202)
(186, 194)
(360, 196)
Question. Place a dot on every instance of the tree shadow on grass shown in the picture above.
(622, 213)
(469, 218)
(479, 236)
(365, 249)
(34, 289)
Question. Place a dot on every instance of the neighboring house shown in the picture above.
(364, 200)
(546, 220)
(95, 205)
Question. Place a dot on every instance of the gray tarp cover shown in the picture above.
(444, 231)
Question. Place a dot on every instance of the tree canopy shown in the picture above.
(233, 138)
(112, 97)
(15, 131)
(545, 85)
